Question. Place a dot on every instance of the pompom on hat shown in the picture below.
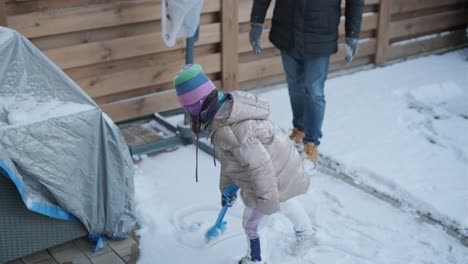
(192, 87)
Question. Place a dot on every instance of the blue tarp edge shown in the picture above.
(51, 211)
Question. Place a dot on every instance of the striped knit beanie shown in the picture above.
(192, 87)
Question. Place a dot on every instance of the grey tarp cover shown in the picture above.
(66, 157)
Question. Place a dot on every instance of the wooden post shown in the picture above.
(3, 21)
(383, 31)
(229, 50)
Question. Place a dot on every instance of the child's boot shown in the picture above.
(305, 240)
(253, 256)
(296, 137)
(310, 160)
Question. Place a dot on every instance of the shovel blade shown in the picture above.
(215, 231)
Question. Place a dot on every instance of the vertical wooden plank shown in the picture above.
(383, 31)
(229, 51)
(3, 21)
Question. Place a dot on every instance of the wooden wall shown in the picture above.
(114, 49)
(419, 26)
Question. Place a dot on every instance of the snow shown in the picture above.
(365, 40)
(427, 37)
(176, 120)
(25, 110)
(400, 129)
(353, 227)
(366, 14)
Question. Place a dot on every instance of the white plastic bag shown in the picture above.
(179, 18)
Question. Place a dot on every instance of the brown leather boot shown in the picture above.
(296, 137)
(311, 151)
(310, 160)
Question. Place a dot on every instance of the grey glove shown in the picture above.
(255, 36)
(351, 45)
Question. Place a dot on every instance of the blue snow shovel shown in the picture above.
(220, 225)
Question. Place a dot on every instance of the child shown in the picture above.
(254, 154)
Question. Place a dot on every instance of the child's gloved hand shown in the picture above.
(230, 200)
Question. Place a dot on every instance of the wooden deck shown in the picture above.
(80, 252)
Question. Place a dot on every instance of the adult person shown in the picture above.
(306, 33)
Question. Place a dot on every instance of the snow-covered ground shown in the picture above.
(401, 129)
(353, 227)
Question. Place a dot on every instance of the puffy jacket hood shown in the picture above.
(242, 106)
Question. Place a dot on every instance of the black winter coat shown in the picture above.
(309, 27)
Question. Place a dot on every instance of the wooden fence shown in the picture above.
(114, 49)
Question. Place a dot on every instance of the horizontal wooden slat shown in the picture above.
(260, 68)
(16, 7)
(413, 47)
(141, 106)
(112, 98)
(138, 62)
(102, 85)
(91, 17)
(272, 66)
(89, 36)
(83, 18)
(403, 6)
(108, 33)
(121, 48)
(279, 78)
(214, 77)
(339, 66)
(106, 68)
(246, 57)
(420, 25)
(262, 82)
(427, 12)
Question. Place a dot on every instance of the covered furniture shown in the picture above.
(65, 157)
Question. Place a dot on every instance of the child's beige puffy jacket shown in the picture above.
(256, 154)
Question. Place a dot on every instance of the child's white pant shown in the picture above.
(292, 209)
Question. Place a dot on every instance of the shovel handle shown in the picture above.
(228, 191)
(221, 215)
